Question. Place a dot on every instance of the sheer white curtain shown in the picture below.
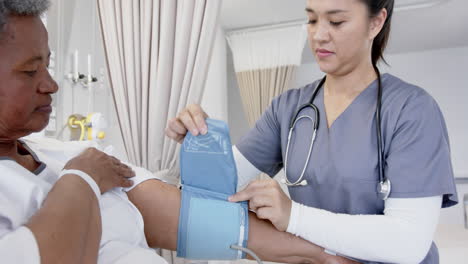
(265, 62)
(158, 53)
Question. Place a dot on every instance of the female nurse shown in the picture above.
(370, 182)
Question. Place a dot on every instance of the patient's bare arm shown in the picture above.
(159, 204)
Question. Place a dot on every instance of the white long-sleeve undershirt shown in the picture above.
(403, 234)
(246, 171)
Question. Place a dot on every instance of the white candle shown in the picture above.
(90, 98)
(75, 66)
(90, 77)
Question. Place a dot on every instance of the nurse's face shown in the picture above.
(340, 34)
(25, 83)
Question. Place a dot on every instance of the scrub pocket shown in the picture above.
(208, 223)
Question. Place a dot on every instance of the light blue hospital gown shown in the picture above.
(342, 172)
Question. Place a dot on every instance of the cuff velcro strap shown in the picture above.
(209, 226)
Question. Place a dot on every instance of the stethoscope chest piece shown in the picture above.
(384, 188)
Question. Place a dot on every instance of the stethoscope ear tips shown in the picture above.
(303, 183)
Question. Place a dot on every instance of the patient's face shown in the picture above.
(25, 83)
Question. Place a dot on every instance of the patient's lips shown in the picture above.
(44, 109)
(45, 105)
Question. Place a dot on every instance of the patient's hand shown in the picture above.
(107, 171)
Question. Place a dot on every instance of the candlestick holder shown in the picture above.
(73, 78)
(82, 79)
(88, 80)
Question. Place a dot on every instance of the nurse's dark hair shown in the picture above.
(20, 8)
(381, 40)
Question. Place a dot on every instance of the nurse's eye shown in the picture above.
(312, 22)
(336, 23)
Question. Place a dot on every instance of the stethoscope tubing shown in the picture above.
(299, 181)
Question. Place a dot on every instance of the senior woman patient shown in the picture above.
(61, 208)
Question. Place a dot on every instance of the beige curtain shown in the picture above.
(265, 61)
(259, 87)
(158, 53)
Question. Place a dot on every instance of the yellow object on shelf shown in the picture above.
(77, 122)
(90, 127)
(101, 135)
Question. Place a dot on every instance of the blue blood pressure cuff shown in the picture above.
(208, 224)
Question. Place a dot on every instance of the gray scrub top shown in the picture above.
(342, 174)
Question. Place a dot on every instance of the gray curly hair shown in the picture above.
(21, 8)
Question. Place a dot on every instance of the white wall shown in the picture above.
(80, 30)
(74, 25)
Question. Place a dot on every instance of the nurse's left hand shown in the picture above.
(268, 201)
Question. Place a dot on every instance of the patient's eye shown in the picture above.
(30, 73)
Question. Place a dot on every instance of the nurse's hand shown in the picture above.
(268, 201)
(107, 171)
(190, 119)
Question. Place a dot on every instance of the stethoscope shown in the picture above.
(384, 186)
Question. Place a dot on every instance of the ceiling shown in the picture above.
(441, 26)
